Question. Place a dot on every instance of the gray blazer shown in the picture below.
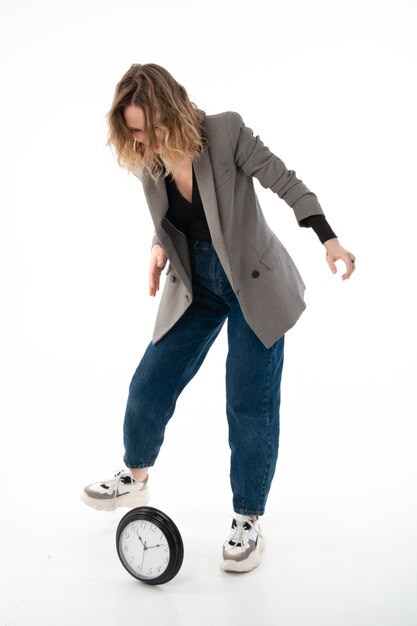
(262, 274)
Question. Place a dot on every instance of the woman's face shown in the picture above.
(135, 121)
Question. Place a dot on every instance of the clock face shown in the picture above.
(144, 549)
(149, 545)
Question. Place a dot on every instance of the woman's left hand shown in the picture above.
(335, 252)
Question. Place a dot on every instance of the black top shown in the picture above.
(189, 217)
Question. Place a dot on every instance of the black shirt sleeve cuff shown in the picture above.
(320, 226)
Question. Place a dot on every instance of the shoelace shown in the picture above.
(237, 537)
(114, 482)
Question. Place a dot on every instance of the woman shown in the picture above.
(224, 263)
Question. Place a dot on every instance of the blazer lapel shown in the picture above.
(204, 175)
(157, 199)
(173, 241)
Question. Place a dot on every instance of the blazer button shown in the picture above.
(173, 279)
(255, 274)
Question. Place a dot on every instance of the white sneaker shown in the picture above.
(121, 490)
(242, 549)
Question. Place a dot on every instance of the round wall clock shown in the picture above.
(149, 545)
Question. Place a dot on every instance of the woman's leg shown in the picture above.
(253, 383)
(168, 366)
(139, 473)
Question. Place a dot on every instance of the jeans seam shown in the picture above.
(268, 430)
(212, 275)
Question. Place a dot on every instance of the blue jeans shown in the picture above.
(253, 382)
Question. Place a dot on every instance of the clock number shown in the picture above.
(149, 572)
(127, 535)
(125, 548)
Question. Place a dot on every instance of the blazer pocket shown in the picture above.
(169, 268)
(271, 256)
(220, 180)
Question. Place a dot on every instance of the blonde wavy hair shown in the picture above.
(165, 102)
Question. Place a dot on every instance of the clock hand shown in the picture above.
(140, 538)
(143, 556)
(158, 545)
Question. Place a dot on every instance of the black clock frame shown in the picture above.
(172, 534)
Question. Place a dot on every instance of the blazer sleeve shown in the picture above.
(155, 240)
(255, 159)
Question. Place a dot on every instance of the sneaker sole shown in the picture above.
(229, 565)
(129, 500)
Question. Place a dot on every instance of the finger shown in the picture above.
(331, 262)
(153, 284)
(347, 273)
(349, 261)
(151, 279)
(154, 277)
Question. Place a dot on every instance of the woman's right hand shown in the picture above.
(158, 262)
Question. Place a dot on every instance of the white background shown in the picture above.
(330, 88)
